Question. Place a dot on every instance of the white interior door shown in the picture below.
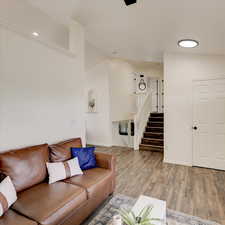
(157, 94)
(209, 123)
(154, 95)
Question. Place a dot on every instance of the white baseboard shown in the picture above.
(100, 144)
(182, 163)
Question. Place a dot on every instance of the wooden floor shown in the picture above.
(195, 191)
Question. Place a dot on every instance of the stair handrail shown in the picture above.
(140, 120)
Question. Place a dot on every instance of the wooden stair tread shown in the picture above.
(151, 146)
(152, 132)
(156, 114)
(144, 147)
(150, 124)
(156, 120)
(153, 139)
(154, 127)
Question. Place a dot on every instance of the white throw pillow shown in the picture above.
(62, 170)
(7, 195)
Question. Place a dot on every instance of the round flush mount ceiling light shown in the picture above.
(188, 43)
(36, 34)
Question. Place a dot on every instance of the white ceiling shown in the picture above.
(147, 29)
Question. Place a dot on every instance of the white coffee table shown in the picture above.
(158, 211)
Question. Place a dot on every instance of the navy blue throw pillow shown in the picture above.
(86, 157)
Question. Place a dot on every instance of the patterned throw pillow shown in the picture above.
(7, 195)
(62, 170)
(86, 157)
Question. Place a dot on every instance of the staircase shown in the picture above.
(153, 135)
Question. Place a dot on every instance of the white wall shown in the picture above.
(179, 72)
(123, 102)
(150, 69)
(27, 18)
(41, 93)
(99, 126)
(112, 79)
(122, 98)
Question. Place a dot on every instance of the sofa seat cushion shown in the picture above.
(13, 218)
(26, 167)
(50, 204)
(96, 181)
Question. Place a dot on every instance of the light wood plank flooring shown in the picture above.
(195, 191)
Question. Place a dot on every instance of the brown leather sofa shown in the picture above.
(67, 202)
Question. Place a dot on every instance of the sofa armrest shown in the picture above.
(105, 161)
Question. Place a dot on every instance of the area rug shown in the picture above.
(105, 213)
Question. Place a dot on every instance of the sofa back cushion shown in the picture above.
(26, 167)
(61, 151)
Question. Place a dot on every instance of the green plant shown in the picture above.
(144, 217)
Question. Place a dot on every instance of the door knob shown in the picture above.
(195, 128)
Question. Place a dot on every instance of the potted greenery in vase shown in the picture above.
(144, 217)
